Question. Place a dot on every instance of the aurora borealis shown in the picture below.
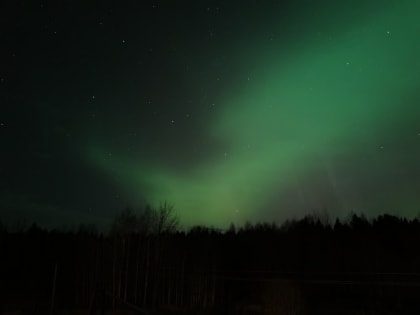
(229, 110)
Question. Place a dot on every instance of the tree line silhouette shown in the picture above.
(148, 261)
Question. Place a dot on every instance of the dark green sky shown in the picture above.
(230, 110)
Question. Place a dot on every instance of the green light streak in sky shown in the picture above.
(327, 99)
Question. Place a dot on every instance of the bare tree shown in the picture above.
(147, 228)
(125, 222)
(167, 221)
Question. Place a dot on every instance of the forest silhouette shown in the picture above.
(147, 264)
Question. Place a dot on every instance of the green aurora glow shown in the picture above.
(325, 119)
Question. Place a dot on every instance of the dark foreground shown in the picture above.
(303, 267)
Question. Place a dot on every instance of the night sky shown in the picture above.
(229, 110)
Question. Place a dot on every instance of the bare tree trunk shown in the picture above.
(136, 279)
(213, 295)
(53, 290)
(157, 292)
(182, 281)
(146, 277)
(121, 269)
(126, 267)
(114, 272)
